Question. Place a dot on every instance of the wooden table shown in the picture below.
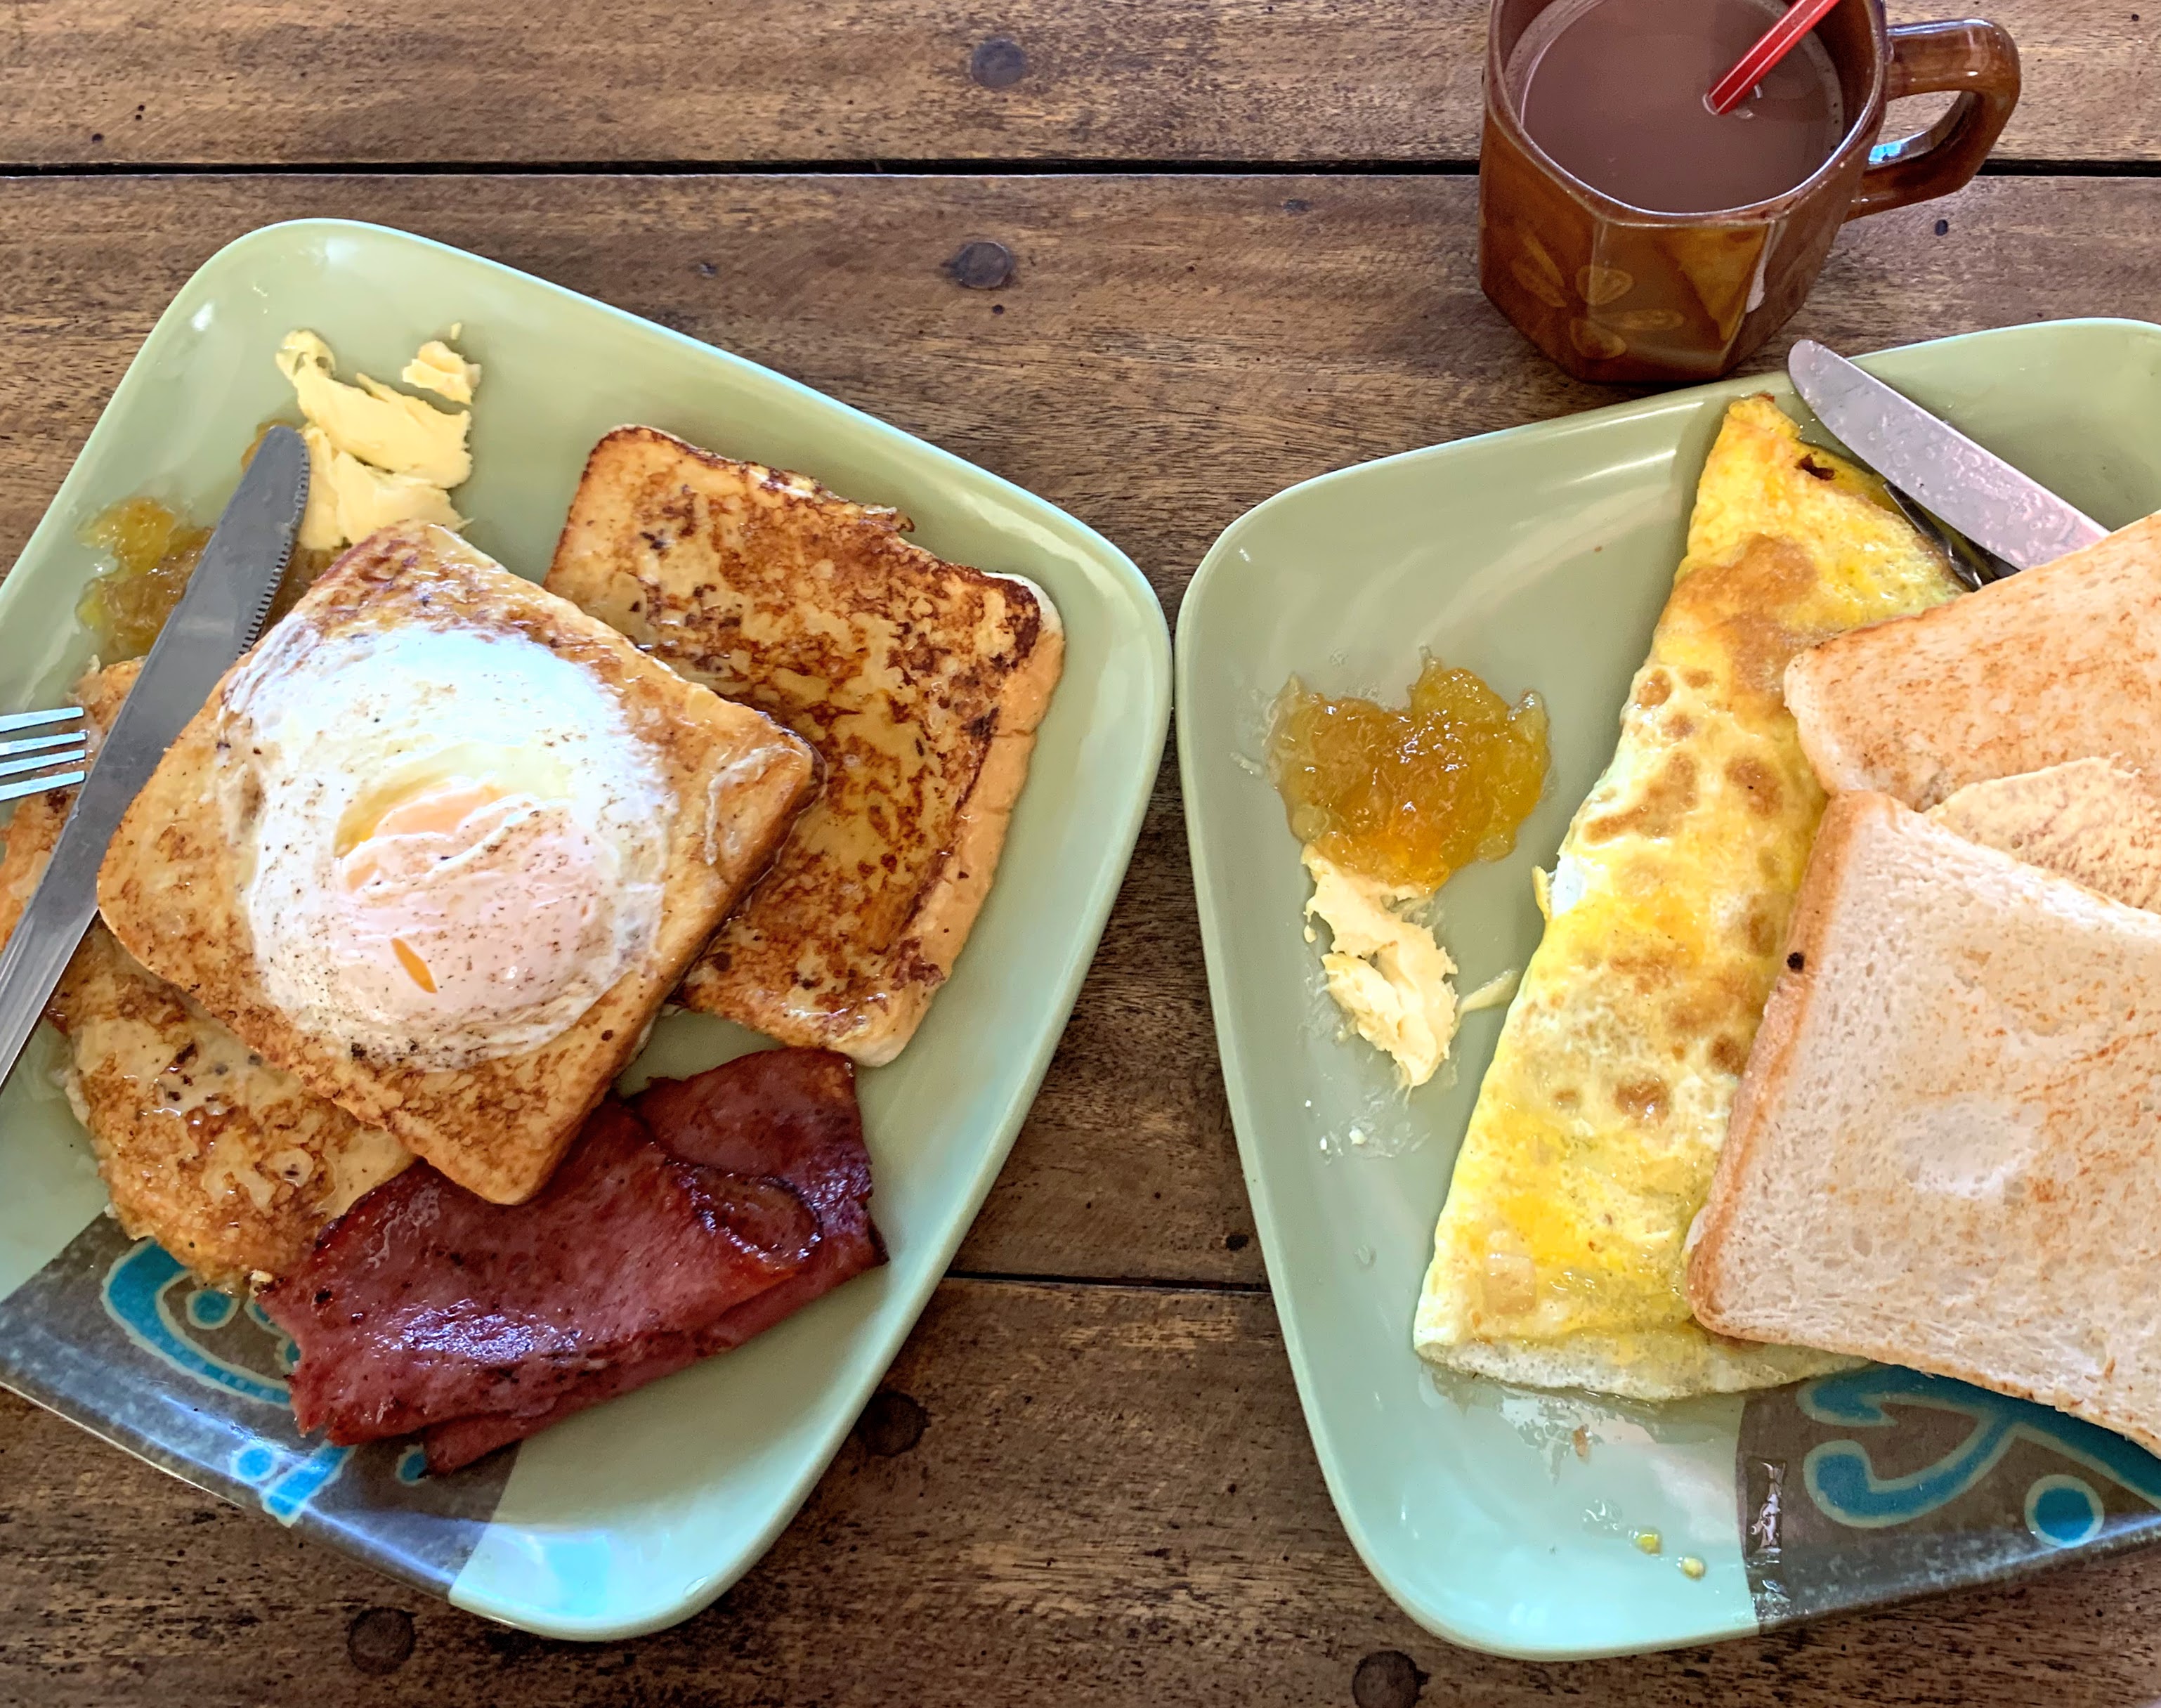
(1236, 249)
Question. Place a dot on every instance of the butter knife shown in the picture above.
(1937, 467)
(216, 621)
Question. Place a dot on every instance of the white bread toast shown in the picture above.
(170, 887)
(226, 1161)
(2060, 663)
(1946, 1150)
(2095, 822)
(920, 683)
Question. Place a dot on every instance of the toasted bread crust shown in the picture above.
(38, 818)
(1771, 1057)
(228, 1163)
(2060, 663)
(920, 683)
(170, 889)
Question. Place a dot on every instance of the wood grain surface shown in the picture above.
(1063, 1495)
(284, 82)
(1088, 1480)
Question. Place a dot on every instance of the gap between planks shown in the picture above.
(1131, 1283)
(962, 167)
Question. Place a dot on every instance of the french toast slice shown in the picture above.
(229, 1164)
(919, 682)
(172, 885)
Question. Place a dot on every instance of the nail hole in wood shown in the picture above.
(380, 1640)
(981, 266)
(1943, 227)
(998, 63)
(1386, 1679)
(891, 1424)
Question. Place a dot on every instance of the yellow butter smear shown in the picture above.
(377, 457)
(1558, 1256)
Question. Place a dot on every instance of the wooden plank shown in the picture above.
(277, 81)
(1111, 1499)
(1170, 352)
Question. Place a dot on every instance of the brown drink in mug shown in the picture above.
(1634, 235)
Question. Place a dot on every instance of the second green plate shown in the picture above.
(1540, 558)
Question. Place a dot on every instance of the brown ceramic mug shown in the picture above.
(1615, 293)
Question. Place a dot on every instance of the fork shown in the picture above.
(27, 764)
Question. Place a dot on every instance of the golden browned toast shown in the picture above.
(36, 825)
(227, 1162)
(2060, 663)
(173, 887)
(230, 1164)
(919, 682)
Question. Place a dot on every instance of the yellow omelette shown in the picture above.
(1558, 1260)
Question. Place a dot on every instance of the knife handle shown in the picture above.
(1976, 60)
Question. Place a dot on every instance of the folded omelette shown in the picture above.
(1558, 1260)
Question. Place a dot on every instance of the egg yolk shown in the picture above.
(467, 890)
(432, 812)
(437, 810)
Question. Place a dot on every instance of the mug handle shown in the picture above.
(1977, 59)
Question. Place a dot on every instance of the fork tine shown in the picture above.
(33, 744)
(32, 720)
(21, 786)
(45, 762)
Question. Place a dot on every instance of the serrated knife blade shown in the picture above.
(1936, 466)
(216, 621)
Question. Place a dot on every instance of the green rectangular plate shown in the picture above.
(633, 1515)
(1540, 558)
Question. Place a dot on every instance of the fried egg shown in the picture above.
(451, 842)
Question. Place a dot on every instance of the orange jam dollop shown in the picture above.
(1407, 797)
(154, 551)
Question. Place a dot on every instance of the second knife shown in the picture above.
(1937, 467)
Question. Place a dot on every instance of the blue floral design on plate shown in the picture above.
(138, 1295)
(1843, 1483)
(137, 1289)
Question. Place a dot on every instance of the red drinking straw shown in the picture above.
(1750, 69)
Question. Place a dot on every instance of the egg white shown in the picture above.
(335, 729)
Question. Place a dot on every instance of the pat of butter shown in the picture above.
(1387, 973)
(438, 368)
(347, 500)
(375, 456)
